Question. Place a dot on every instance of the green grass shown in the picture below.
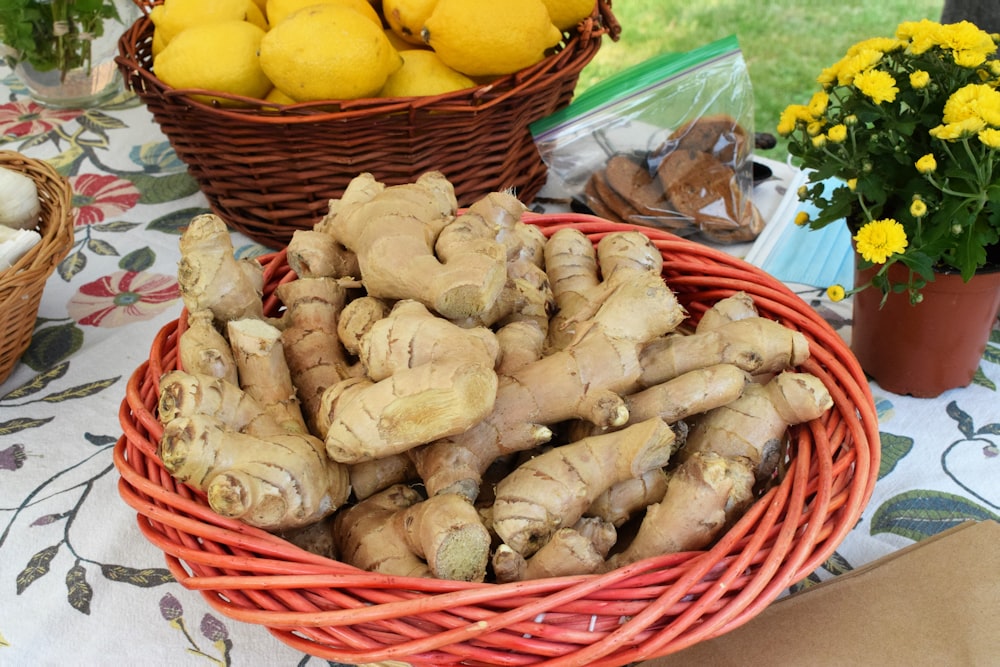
(785, 43)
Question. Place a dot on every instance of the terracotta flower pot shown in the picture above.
(925, 349)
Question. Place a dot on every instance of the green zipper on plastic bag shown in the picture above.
(637, 78)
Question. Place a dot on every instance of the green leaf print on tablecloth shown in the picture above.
(919, 514)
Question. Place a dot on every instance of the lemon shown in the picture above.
(401, 44)
(566, 14)
(406, 17)
(175, 16)
(326, 52)
(279, 9)
(423, 73)
(490, 38)
(220, 56)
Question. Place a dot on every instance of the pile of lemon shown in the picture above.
(288, 51)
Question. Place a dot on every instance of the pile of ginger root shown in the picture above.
(450, 393)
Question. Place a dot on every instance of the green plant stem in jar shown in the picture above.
(55, 35)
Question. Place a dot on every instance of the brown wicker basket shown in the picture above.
(268, 172)
(21, 285)
(651, 608)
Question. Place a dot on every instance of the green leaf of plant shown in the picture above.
(176, 221)
(20, 424)
(72, 265)
(894, 448)
(99, 247)
(39, 382)
(919, 514)
(78, 592)
(144, 578)
(37, 567)
(51, 345)
(81, 390)
(138, 260)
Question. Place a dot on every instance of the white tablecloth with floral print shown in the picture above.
(78, 583)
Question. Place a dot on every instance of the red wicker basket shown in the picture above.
(651, 608)
(267, 172)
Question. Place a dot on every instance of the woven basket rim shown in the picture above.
(55, 240)
(328, 608)
(577, 44)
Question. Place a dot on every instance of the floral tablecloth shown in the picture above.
(80, 585)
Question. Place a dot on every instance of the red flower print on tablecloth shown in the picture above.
(28, 119)
(122, 298)
(100, 196)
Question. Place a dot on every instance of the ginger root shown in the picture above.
(754, 425)
(555, 488)
(315, 357)
(426, 379)
(448, 394)
(584, 380)
(277, 482)
(184, 394)
(703, 493)
(397, 532)
(210, 277)
(264, 372)
(204, 350)
(394, 233)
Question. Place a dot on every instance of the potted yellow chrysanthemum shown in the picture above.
(903, 144)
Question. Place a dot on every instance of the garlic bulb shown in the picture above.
(19, 204)
(15, 244)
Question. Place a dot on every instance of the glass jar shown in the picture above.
(73, 63)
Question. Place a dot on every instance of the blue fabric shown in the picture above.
(820, 257)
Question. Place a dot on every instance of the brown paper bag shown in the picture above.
(936, 603)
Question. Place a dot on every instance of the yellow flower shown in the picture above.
(819, 140)
(852, 66)
(829, 76)
(918, 208)
(879, 239)
(919, 79)
(976, 100)
(801, 218)
(927, 164)
(852, 184)
(883, 44)
(818, 104)
(970, 46)
(991, 137)
(837, 133)
(792, 116)
(836, 293)
(922, 35)
(958, 130)
(878, 85)
(814, 128)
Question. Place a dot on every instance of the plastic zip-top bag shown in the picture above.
(667, 143)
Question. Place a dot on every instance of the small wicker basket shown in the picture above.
(21, 285)
(651, 608)
(269, 170)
